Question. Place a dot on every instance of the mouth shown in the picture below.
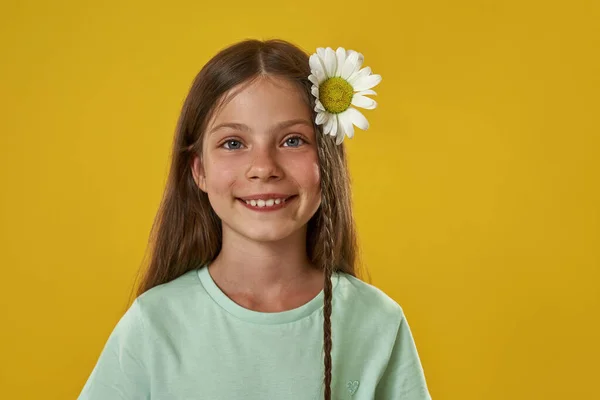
(267, 205)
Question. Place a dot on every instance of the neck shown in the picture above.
(263, 269)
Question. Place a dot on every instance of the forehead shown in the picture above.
(264, 101)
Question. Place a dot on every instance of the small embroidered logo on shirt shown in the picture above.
(352, 387)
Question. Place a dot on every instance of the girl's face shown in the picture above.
(261, 148)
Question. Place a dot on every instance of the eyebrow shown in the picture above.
(246, 128)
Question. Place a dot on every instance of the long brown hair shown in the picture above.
(187, 232)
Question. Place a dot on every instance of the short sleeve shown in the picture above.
(120, 373)
(404, 378)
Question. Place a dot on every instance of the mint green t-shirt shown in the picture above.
(186, 340)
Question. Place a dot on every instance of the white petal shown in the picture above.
(321, 52)
(350, 134)
(315, 91)
(361, 58)
(363, 102)
(346, 123)
(318, 106)
(341, 59)
(359, 61)
(339, 138)
(367, 82)
(350, 65)
(340, 127)
(330, 62)
(315, 64)
(366, 71)
(321, 117)
(357, 118)
(321, 76)
(328, 124)
(313, 79)
(334, 125)
(365, 92)
(341, 134)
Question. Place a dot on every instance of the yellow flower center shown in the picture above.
(336, 94)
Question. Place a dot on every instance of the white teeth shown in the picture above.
(264, 203)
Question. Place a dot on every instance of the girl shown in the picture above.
(252, 273)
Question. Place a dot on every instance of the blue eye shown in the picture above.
(235, 144)
(294, 141)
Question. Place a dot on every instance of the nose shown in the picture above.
(264, 164)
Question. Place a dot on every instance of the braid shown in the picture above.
(330, 257)
(327, 342)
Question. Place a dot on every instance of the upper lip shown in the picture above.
(266, 196)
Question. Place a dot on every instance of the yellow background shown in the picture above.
(476, 188)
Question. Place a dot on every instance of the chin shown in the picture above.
(263, 231)
(267, 235)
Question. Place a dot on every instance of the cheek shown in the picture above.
(313, 187)
(220, 176)
(308, 174)
(315, 175)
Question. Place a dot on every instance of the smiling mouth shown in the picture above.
(265, 205)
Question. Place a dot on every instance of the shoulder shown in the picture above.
(364, 299)
(173, 299)
(183, 285)
(362, 310)
(369, 295)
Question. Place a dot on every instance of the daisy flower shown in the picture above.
(338, 84)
